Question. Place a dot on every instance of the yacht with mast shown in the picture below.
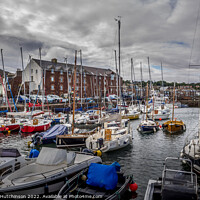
(174, 126)
(148, 126)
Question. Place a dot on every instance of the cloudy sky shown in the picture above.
(166, 31)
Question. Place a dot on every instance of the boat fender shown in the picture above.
(29, 143)
(98, 153)
(83, 177)
(133, 187)
(154, 129)
(34, 153)
(118, 141)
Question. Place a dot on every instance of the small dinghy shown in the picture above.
(98, 181)
(11, 160)
(48, 174)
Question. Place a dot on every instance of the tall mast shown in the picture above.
(146, 100)
(173, 102)
(132, 77)
(74, 91)
(81, 79)
(42, 78)
(23, 79)
(141, 79)
(4, 74)
(149, 73)
(119, 26)
(162, 75)
(116, 74)
(68, 81)
(29, 82)
(104, 90)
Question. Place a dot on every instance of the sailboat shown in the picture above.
(147, 125)
(131, 112)
(174, 126)
(74, 138)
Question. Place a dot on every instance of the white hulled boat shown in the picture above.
(48, 174)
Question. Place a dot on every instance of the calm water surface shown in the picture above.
(144, 158)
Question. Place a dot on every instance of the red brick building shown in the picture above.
(56, 76)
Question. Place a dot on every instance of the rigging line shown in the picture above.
(114, 47)
(193, 41)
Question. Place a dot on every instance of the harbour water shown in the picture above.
(144, 158)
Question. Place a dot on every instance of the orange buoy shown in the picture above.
(7, 129)
(133, 187)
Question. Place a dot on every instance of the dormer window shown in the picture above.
(52, 71)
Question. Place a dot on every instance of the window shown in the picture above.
(61, 87)
(52, 71)
(36, 71)
(31, 78)
(61, 71)
(61, 79)
(77, 80)
(70, 88)
(69, 79)
(77, 88)
(52, 87)
(112, 77)
(69, 72)
(52, 78)
(31, 71)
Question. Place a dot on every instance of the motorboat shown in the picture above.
(11, 160)
(173, 185)
(91, 184)
(48, 174)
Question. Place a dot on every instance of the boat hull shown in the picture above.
(35, 128)
(131, 117)
(70, 141)
(47, 185)
(11, 127)
(174, 127)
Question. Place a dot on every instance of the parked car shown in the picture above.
(50, 99)
(56, 98)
